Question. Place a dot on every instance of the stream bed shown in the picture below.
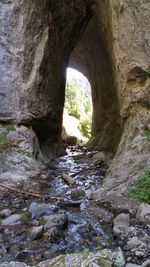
(80, 230)
(34, 229)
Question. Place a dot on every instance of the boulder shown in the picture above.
(134, 243)
(143, 213)
(121, 224)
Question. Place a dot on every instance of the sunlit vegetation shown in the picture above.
(78, 104)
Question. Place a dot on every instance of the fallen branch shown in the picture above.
(68, 179)
(31, 194)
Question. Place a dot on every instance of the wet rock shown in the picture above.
(13, 264)
(36, 232)
(5, 213)
(121, 224)
(12, 220)
(57, 220)
(78, 194)
(37, 210)
(143, 213)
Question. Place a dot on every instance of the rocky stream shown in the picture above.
(34, 230)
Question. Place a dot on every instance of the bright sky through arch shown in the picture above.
(72, 73)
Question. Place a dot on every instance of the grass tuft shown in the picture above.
(141, 191)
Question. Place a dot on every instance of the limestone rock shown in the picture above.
(104, 258)
(56, 220)
(36, 232)
(5, 213)
(143, 213)
(25, 139)
(12, 220)
(134, 243)
(37, 210)
(121, 224)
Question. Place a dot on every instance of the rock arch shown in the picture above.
(91, 57)
(107, 40)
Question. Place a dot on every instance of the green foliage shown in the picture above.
(85, 127)
(79, 105)
(72, 103)
(2, 158)
(86, 250)
(3, 139)
(9, 127)
(146, 134)
(141, 191)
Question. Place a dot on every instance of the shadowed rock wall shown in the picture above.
(36, 40)
(92, 58)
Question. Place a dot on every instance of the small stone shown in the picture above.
(100, 156)
(134, 242)
(77, 194)
(12, 220)
(5, 213)
(139, 253)
(36, 232)
(56, 220)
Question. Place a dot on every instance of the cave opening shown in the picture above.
(77, 114)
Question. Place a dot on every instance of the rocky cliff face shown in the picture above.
(109, 42)
(36, 40)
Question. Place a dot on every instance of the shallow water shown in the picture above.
(85, 229)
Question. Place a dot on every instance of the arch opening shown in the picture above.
(77, 115)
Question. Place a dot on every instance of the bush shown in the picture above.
(3, 139)
(141, 191)
(85, 127)
(9, 127)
